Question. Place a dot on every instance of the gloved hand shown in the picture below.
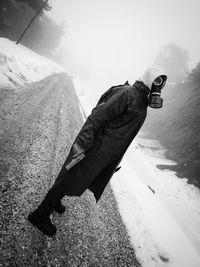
(77, 150)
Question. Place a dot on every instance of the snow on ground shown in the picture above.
(160, 211)
(20, 65)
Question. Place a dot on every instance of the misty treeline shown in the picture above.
(44, 34)
(177, 124)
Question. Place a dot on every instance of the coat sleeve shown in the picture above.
(101, 115)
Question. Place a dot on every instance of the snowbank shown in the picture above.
(20, 65)
(160, 211)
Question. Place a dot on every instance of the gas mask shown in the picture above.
(155, 100)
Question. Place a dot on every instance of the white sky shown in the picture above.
(111, 41)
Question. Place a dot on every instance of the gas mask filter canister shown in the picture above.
(155, 100)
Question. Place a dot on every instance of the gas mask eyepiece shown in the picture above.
(155, 100)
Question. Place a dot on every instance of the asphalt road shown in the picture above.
(38, 124)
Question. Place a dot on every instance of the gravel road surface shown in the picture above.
(38, 124)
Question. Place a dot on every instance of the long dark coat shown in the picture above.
(106, 135)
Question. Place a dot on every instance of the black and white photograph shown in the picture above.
(99, 133)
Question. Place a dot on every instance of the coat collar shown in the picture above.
(140, 85)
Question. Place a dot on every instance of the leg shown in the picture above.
(41, 216)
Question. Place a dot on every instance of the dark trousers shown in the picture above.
(54, 195)
(75, 181)
(92, 172)
(63, 185)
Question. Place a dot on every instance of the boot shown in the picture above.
(60, 208)
(42, 222)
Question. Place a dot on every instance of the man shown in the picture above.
(102, 141)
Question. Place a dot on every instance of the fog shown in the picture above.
(106, 43)
(109, 42)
